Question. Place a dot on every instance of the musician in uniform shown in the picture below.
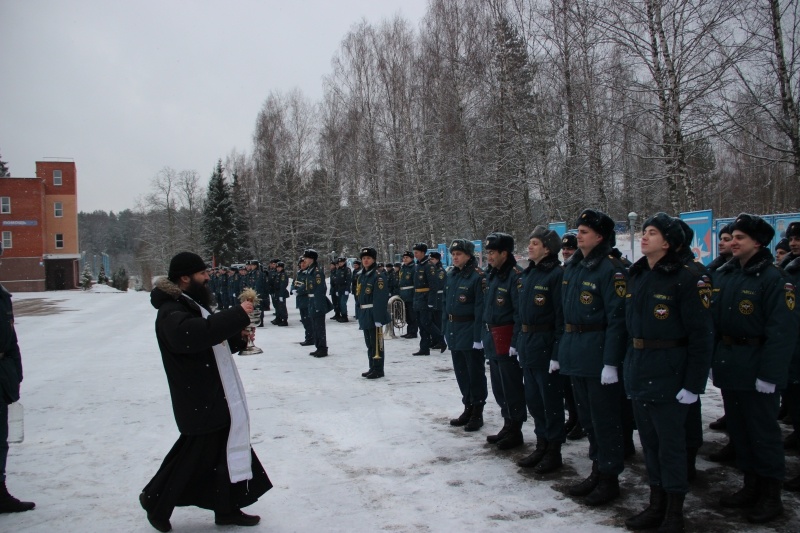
(373, 299)
(405, 288)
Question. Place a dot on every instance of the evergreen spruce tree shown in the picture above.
(120, 280)
(219, 224)
(4, 168)
(86, 278)
(101, 276)
(240, 203)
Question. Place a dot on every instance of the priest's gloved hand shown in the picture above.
(512, 352)
(554, 366)
(609, 375)
(477, 345)
(686, 397)
(765, 387)
(378, 325)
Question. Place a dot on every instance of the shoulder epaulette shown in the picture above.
(617, 263)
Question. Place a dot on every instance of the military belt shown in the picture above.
(461, 318)
(537, 328)
(583, 328)
(490, 327)
(407, 287)
(659, 344)
(743, 341)
(366, 306)
(426, 289)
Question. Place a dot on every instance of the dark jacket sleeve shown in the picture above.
(616, 331)
(185, 332)
(699, 327)
(780, 329)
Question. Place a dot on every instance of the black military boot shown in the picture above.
(769, 505)
(513, 438)
(653, 514)
(344, 318)
(725, 454)
(673, 521)
(367, 373)
(335, 317)
(321, 352)
(587, 485)
(236, 518)
(9, 504)
(577, 432)
(792, 485)
(493, 439)
(307, 343)
(551, 460)
(747, 496)
(607, 489)
(534, 458)
(463, 418)
(422, 352)
(720, 424)
(691, 464)
(476, 418)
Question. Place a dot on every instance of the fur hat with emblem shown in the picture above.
(462, 245)
(369, 252)
(548, 237)
(599, 222)
(669, 227)
(502, 242)
(792, 230)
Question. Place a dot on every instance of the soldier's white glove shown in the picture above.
(554, 366)
(347, 293)
(686, 397)
(477, 345)
(763, 386)
(609, 375)
(280, 299)
(430, 307)
(378, 325)
(512, 352)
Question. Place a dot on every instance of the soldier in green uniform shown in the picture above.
(791, 264)
(541, 328)
(314, 288)
(425, 281)
(569, 244)
(405, 286)
(357, 269)
(280, 282)
(757, 328)
(302, 300)
(437, 294)
(462, 312)
(344, 279)
(334, 293)
(592, 349)
(669, 321)
(499, 335)
(373, 299)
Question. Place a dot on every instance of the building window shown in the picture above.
(5, 205)
(59, 240)
(7, 244)
(56, 177)
(58, 209)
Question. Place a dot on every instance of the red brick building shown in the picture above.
(39, 229)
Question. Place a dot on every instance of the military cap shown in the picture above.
(408, 253)
(754, 226)
(669, 227)
(783, 244)
(421, 246)
(569, 241)
(341, 260)
(357, 262)
(727, 228)
(436, 255)
(310, 253)
(398, 265)
(274, 261)
(548, 237)
(280, 264)
(372, 252)
(500, 241)
(463, 245)
(599, 222)
(792, 230)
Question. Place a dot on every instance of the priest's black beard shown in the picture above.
(199, 293)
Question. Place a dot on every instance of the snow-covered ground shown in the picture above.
(346, 454)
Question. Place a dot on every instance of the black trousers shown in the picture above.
(508, 387)
(195, 472)
(305, 319)
(752, 419)
(600, 414)
(411, 319)
(544, 396)
(318, 328)
(371, 340)
(469, 367)
(662, 432)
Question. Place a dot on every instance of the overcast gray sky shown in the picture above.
(127, 88)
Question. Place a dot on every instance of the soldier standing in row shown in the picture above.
(334, 292)
(462, 318)
(791, 264)
(405, 283)
(344, 278)
(315, 289)
(437, 294)
(541, 327)
(669, 320)
(424, 281)
(302, 300)
(569, 243)
(500, 320)
(757, 327)
(357, 269)
(280, 282)
(592, 349)
(373, 299)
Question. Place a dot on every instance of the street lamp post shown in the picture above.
(632, 218)
(391, 253)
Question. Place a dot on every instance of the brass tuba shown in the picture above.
(397, 310)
